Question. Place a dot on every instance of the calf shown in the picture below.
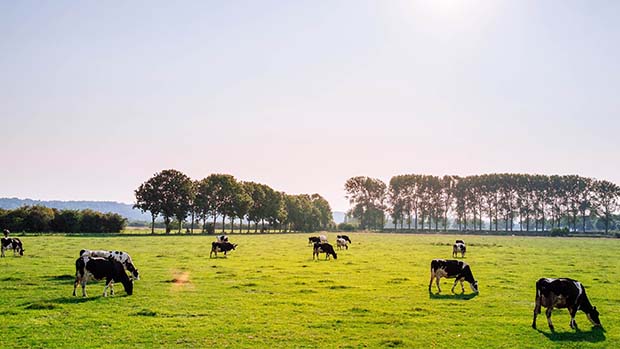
(122, 257)
(346, 237)
(323, 248)
(87, 268)
(452, 269)
(14, 244)
(340, 243)
(314, 239)
(459, 247)
(563, 293)
(221, 247)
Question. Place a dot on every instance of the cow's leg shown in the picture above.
(536, 311)
(572, 311)
(437, 281)
(75, 283)
(112, 287)
(430, 284)
(548, 313)
(2, 252)
(454, 284)
(83, 287)
(462, 287)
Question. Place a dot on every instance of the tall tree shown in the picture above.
(368, 197)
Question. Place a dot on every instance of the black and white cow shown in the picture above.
(6, 233)
(314, 239)
(222, 238)
(340, 243)
(563, 293)
(346, 237)
(221, 247)
(452, 269)
(88, 268)
(459, 247)
(14, 244)
(122, 257)
(323, 248)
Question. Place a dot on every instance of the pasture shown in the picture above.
(270, 293)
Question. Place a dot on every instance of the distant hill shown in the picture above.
(125, 210)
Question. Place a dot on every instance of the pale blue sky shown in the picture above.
(95, 97)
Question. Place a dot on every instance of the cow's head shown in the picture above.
(21, 252)
(474, 286)
(593, 317)
(233, 246)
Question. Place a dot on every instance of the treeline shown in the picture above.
(41, 219)
(176, 198)
(485, 202)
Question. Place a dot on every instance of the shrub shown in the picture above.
(346, 227)
(559, 231)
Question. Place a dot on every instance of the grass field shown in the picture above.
(270, 293)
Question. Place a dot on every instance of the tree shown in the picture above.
(167, 193)
(147, 198)
(368, 197)
(607, 198)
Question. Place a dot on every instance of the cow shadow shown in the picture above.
(74, 299)
(452, 296)
(596, 334)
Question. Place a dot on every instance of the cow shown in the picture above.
(340, 243)
(314, 239)
(346, 237)
(14, 244)
(563, 293)
(6, 233)
(452, 269)
(323, 248)
(122, 257)
(221, 247)
(222, 238)
(87, 268)
(459, 247)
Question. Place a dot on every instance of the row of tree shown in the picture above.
(535, 202)
(41, 219)
(175, 197)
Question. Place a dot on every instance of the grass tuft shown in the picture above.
(40, 306)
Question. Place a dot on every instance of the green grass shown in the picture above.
(270, 293)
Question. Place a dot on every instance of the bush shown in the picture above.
(346, 227)
(559, 231)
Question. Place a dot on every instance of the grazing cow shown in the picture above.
(346, 237)
(323, 239)
(314, 239)
(459, 247)
(87, 268)
(222, 238)
(340, 243)
(14, 244)
(460, 242)
(563, 293)
(122, 257)
(323, 248)
(452, 269)
(6, 233)
(221, 247)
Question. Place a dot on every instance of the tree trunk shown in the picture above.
(167, 223)
(192, 226)
(152, 223)
(223, 223)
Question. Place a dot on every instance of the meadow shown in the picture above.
(270, 293)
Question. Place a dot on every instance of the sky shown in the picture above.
(98, 96)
